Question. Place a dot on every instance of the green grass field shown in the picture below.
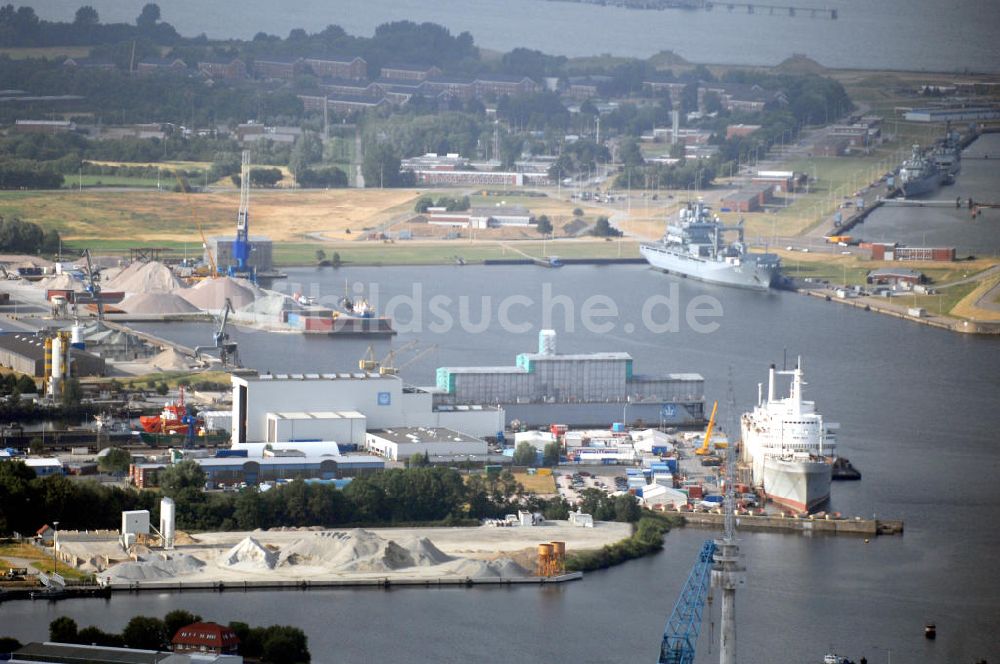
(75, 181)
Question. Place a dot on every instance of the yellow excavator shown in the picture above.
(704, 449)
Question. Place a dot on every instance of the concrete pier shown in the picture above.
(857, 526)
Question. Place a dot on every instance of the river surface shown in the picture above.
(881, 34)
(918, 409)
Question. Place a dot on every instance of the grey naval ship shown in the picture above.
(694, 247)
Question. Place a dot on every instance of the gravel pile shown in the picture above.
(170, 360)
(499, 568)
(153, 569)
(157, 302)
(360, 550)
(142, 278)
(60, 281)
(211, 294)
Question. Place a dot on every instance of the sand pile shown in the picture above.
(249, 554)
(60, 281)
(153, 569)
(157, 302)
(211, 294)
(170, 360)
(499, 568)
(142, 278)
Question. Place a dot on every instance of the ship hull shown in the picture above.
(923, 186)
(798, 485)
(747, 275)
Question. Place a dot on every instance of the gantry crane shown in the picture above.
(394, 370)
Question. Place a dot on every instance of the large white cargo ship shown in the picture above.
(788, 447)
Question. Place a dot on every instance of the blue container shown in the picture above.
(618, 427)
(713, 499)
(633, 471)
(219, 454)
(672, 465)
(660, 450)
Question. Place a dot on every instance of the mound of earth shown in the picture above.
(360, 550)
(170, 360)
(61, 282)
(248, 554)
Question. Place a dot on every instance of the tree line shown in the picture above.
(276, 644)
(18, 236)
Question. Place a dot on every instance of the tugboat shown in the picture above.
(174, 419)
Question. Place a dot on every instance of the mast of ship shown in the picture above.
(728, 572)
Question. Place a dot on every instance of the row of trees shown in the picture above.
(22, 27)
(22, 174)
(409, 495)
(277, 644)
(18, 236)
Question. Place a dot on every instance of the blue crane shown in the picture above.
(680, 636)
(240, 267)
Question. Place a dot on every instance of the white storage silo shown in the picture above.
(547, 342)
(168, 519)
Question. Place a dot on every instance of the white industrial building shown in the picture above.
(537, 439)
(301, 426)
(437, 443)
(301, 404)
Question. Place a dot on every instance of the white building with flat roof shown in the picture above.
(384, 401)
(402, 443)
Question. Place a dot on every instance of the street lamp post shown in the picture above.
(628, 402)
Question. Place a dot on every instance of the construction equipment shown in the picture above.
(387, 366)
(228, 350)
(419, 354)
(213, 268)
(368, 361)
(241, 246)
(703, 450)
(680, 636)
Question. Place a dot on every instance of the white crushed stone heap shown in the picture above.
(142, 278)
(271, 303)
(360, 550)
(249, 554)
(157, 302)
(153, 568)
(211, 294)
(499, 568)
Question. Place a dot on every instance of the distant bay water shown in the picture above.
(910, 35)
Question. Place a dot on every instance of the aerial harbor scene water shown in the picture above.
(500, 331)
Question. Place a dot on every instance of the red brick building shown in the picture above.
(229, 69)
(207, 637)
(352, 69)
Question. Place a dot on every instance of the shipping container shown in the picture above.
(695, 491)
(713, 499)
(314, 324)
(219, 454)
(618, 427)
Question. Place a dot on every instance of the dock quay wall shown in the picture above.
(318, 584)
(863, 527)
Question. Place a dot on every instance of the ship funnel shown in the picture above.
(770, 384)
(547, 342)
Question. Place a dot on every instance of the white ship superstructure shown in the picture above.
(788, 447)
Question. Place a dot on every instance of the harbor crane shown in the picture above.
(228, 350)
(394, 370)
(718, 565)
(213, 268)
(94, 288)
(240, 267)
(680, 637)
(704, 449)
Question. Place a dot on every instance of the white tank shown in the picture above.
(547, 342)
(77, 336)
(57, 358)
(168, 516)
